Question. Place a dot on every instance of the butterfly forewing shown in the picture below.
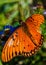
(11, 48)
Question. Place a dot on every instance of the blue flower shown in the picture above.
(7, 28)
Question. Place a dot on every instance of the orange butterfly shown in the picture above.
(25, 40)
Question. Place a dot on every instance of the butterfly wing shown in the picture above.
(24, 41)
(33, 39)
(11, 47)
(36, 19)
(20, 43)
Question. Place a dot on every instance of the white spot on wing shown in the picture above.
(18, 42)
(10, 42)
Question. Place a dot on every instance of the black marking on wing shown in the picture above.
(32, 52)
(25, 29)
(41, 41)
(32, 18)
(13, 38)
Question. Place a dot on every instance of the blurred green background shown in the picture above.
(14, 11)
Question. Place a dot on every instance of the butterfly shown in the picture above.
(25, 40)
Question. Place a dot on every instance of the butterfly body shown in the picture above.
(24, 41)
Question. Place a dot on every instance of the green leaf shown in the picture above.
(1, 63)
